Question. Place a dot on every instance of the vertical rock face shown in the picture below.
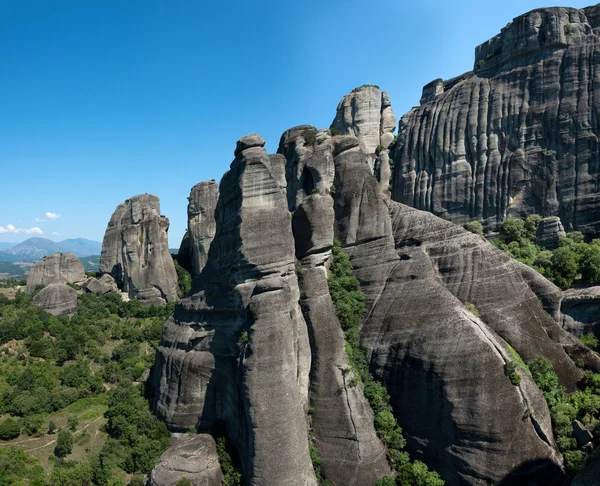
(367, 114)
(580, 309)
(58, 267)
(549, 231)
(201, 225)
(342, 421)
(237, 350)
(520, 136)
(135, 251)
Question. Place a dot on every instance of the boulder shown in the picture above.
(582, 435)
(57, 299)
(193, 457)
(58, 267)
(101, 285)
(549, 232)
(513, 138)
(135, 251)
(580, 310)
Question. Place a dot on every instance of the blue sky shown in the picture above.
(105, 99)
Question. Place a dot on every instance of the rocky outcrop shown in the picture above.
(580, 311)
(549, 232)
(55, 268)
(519, 136)
(367, 114)
(101, 285)
(237, 349)
(193, 457)
(341, 419)
(201, 225)
(57, 299)
(135, 251)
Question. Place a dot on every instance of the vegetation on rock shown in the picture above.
(349, 303)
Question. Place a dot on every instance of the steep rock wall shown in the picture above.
(55, 268)
(520, 136)
(135, 251)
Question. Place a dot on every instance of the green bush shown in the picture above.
(510, 369)
(590, 340)
(9, 429)
(64, 444)
(310, 136)
(474, 227)
(184, 279)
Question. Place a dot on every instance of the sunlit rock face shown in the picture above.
(55, 268)
(516, 137)
(135, 251)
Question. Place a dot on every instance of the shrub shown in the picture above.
(184, 279)
(568, 29)
(474, 227)
(184, 482)
(310, 136)
(472, 309)
(564, 266)
(590, 264)
(513, 230)
(64, 444)
(510, 369)
(9, 429)
(590, 340)
(334, 132)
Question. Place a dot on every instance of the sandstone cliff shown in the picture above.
(135, 251)
(519, 135)
(442, 304)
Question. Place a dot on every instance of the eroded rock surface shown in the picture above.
(237, 349)
(549, 232)
(135, 251)
(57, 299)
(193, 457)
(367, 114)
(580, 310)
(58, 267)
(520, 136)
(201, 225)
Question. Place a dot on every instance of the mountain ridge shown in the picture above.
(35, 248)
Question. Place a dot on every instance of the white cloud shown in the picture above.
(55, 233)
(39, 220)
(50, 215)
(9, 228)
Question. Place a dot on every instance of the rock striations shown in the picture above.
(201, 226)
(519, 135)
(257, 344)
(135, 251)
(55, 268)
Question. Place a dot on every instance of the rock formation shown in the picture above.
(101, 285)
(580, 309)
(135, 251)
(367, 114)
(549, 232)
(58, 267)
(57, 299)
(519, 135)
(442, 305)
(193, 457)
(201, 226)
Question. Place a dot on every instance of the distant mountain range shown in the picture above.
(37, 248)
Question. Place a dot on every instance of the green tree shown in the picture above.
(9, 429)
(589, 339)
(474, 226)
(564, 267)
(531, 224)
(513, 230)
(590, 264)
(184, 279)
(64, 444)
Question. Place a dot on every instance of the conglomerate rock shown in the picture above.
(517, 137)
(201, 226)
(237, 350)
(58, 267)
(135, 251)
(57, 299)
(193, 457)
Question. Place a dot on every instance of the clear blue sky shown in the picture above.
(104, 99)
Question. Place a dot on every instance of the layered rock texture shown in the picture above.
(549, 232)
(580, 309)
(55, 268)
(135, 251)
(57, 298)
(257, 344)
(519, 135)
(367, 114)
(193, 252)
(193, 457)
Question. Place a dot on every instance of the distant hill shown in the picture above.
(36, 248)
(4, 245)
(91, 263)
